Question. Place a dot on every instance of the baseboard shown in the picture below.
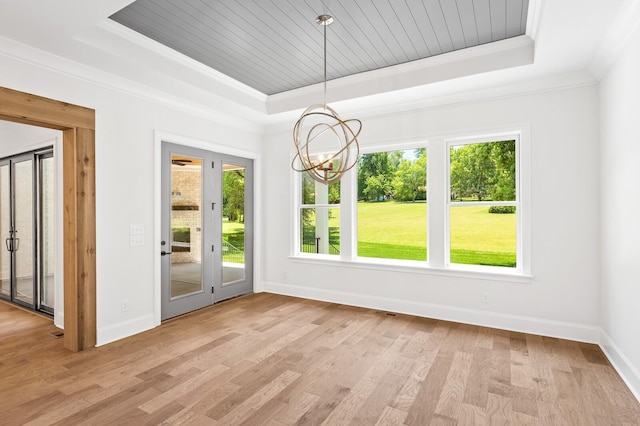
(58, 319)
(562, 330)
(629, 373)
(123, 329)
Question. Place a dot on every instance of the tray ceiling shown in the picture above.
(275, 46)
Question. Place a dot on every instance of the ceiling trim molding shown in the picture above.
(45, 60)
(533, 18)
(494, 56)
(626, 22)
(432, 100)
(111, 27)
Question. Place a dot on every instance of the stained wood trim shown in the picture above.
(79, 238)
(79, 233)
(32, 109)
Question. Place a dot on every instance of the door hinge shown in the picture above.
(213, 165)
(213, 248)
(213, 206)
(212, 290)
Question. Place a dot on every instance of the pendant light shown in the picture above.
(325, 142)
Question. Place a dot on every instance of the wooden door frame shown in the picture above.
(79, 230)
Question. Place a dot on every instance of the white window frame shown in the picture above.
(384, 260)
(461, 204)
(297, 238)
(438, 204)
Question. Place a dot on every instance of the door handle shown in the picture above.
(8, 244)
(17, 244)
(164, 253)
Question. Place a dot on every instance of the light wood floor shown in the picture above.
(272, 360)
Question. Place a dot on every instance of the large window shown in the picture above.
(392, 204)
(483, 203)
(379, 213)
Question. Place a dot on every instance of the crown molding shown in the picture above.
(626, 22)
(471, 89)
(222, 111)
(103, 36)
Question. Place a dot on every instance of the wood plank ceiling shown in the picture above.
(275, 46)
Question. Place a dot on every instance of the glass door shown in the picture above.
(22, 241)
(207, 233)
(236, 217)
(5, 229)
(46, 227)
(26, 229)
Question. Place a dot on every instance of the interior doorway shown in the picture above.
(79, 210)
(206, 243)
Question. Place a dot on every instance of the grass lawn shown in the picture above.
(392, 230)
(398, 231)
(233, 233)
(482, 238)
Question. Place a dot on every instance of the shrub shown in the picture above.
(502, 209)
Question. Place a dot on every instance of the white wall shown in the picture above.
(16, 138)
(562, 297)
(125, 181)
(620, 229)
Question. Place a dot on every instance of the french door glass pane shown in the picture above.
(47, 245)
(186, 225)
(233, 238)
(5, 226)
(23, 244)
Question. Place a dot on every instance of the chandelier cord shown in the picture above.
(325, 67)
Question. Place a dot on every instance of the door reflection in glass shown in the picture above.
(233, 204)
(186, 225)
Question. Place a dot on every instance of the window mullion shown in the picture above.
(348, 209)
(437, 203)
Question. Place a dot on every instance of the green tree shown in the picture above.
(376, 187)
(472, 170)
(504, 156)
(375, 164)
(334, 193)
(233, 198)
(410, 180)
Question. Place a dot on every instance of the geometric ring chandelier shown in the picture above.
(321, 129)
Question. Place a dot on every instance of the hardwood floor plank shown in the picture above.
(323, 406)
(244, 410)
(423, 408)
(295, 407)
(499, 409)
(266, 359)
(454, 386)
(391, 417)
(477, 389)
(169, 394)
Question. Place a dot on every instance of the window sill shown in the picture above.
(488, 273)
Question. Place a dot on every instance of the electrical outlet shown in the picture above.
(125, 305)
(485, 297)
